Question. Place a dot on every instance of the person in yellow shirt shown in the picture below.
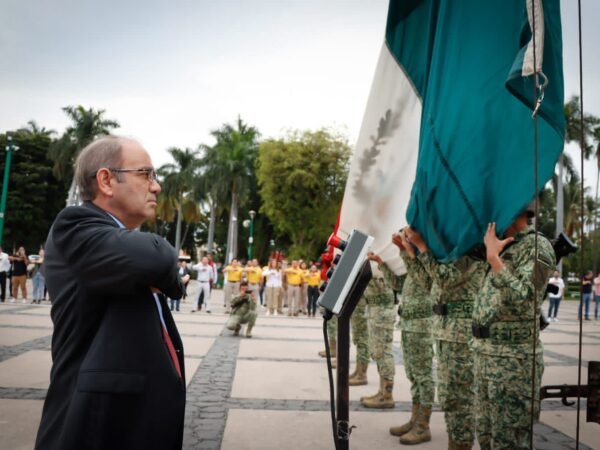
(303, 289)
(254, 274)
(313, 280)
(233, 272)
(293, 277)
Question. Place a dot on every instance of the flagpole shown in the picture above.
(10, 147)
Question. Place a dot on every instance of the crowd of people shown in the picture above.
(16, 268)
(281, 287)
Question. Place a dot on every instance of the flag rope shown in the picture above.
(538, 95)
(581, 216)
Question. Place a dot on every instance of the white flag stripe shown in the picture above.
(384, 162)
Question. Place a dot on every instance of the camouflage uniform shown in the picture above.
(416, 319)
(458, 285)
(360, 331)
(381, 315)
(506, 317)
(243, 310)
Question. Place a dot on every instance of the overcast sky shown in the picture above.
(171, 71)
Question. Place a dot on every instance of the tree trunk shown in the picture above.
(232, 231)
(211, 227)
(560, 203)
(178, 229)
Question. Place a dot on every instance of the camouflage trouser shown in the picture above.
(332, 329)
(417, 349)
(381, 337)
(236, 319)
(456, 390)
(503, 387)
(360, 331)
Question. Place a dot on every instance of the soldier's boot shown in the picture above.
(383, 401)
(379, 393)
(420, 432)
(249, 330)
(332, 350)
(236, 332)
(359, 377)
(405, 428)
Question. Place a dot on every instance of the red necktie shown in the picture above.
(172, 351)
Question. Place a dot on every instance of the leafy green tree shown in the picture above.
(302, 179)
(87, 124)
(229, 167)
(178, 197)
(35, 196)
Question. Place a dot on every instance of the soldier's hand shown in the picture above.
(410, 249)
(397, 241)
(415, 238)
(373, 257)
(494, 246)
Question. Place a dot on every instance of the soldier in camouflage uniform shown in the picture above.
(416, 320)
(505, 330)
(243, 310)
(381, 317)
(360, 338)
(458, 285)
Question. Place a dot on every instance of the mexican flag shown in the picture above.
(447, 140)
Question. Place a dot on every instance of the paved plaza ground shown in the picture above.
(271, 391)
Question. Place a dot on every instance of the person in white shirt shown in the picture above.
(273, 276)
(555, 299)
(4, 268)
(205, 275)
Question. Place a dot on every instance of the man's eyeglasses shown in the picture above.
(149, 172)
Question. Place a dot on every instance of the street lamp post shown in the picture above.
(9, 150)
(251, 237)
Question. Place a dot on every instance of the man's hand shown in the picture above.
(494, 246)
(373, 257)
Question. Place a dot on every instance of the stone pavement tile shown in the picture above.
(278, 349)
(37, 310)
(549, 338)
(301, 381)
(26, 320)
(590, 352)
(563, 375)
(186, 317)
(201, 329)
(287, 332)
(15, 336)
(302, 321)
(302, 430)
(4, 307)
(191, 365)
(551, 360)
(29, 370)
(195, 347)
(566, 422)
(19, 421)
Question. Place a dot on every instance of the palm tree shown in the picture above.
(179, 193)
(229, 167)
(87, 124)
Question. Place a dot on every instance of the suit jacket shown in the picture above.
(113, 384)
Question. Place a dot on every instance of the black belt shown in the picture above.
(515, 332)
(456, 310)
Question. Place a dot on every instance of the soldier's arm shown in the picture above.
(527, 275)
(416, 270)
(393, 281)
(442, 274)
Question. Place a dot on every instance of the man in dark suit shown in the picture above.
(117, 379)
